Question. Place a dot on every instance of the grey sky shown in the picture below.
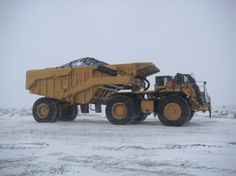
(178, 36)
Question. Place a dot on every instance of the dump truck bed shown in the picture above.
(90, 84)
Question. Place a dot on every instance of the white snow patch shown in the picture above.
(90, 145)
(228, 111)
(224, 112)
(16, 112)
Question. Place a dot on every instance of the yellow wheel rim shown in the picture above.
(172, 111)
(119, 111)
(42, 110)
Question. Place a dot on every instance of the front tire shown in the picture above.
(46, 110)
(120, 110)
(173, 110)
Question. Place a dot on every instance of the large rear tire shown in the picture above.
(173, 110)
(46, 110)
(69, 112)
(120, 110)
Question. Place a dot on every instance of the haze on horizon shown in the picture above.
(196, 36)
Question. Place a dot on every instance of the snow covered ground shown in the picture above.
(90, 145)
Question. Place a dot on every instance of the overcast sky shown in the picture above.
(178, 36)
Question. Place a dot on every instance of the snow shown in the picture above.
(225, 111)
(90, 145)
(83, 62)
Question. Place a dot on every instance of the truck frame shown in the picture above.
(122, 88)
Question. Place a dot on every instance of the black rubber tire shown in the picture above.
(140, 118)
(139, 115)
(129, 105)
(51, 105)
(69, 112)
(185, 110)
(191, 115)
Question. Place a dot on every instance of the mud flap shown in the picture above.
(98, 108)
(84, 108)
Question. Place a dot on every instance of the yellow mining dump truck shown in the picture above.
(122, 88)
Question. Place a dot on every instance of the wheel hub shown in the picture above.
(42, 110)
(172, 111)
(119, 111)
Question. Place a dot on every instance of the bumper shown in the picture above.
(205, 100)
